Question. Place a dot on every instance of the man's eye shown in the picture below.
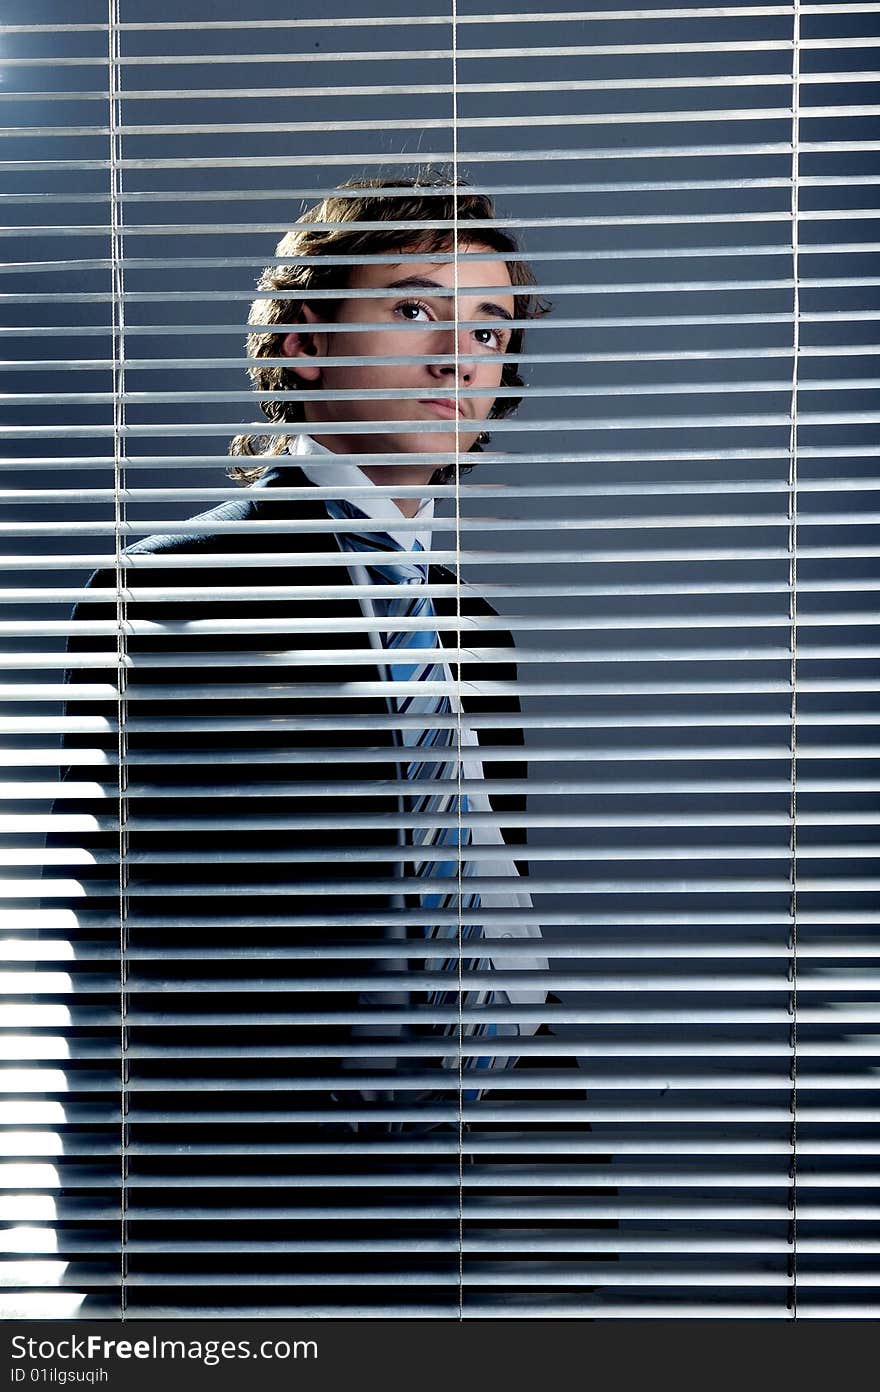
(412, 310)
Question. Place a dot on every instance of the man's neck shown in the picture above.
(386, 475)
(383, 474)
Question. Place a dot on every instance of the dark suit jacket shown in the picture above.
(245, 832)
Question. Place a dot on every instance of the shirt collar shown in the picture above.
(324, 468)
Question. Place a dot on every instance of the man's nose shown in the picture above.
(446, 340)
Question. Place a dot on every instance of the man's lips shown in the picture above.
(444, 405)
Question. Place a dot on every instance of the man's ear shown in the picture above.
(303, 347)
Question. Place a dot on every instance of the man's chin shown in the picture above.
(439, 440)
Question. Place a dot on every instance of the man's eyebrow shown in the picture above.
(488, 307)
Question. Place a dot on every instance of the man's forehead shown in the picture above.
(490, 269)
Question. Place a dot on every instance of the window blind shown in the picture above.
(225, 1091)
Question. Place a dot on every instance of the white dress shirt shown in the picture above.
(324, 468)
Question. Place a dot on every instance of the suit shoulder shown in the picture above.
(202, 530)
(206, 533)
(259, 501)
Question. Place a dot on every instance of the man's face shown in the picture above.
(412, 299)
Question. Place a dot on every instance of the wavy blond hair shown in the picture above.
(428, 197)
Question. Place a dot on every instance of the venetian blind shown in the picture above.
(225, 1082)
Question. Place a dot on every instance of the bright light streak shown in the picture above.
(35, 1016)
(31, 1047)
(33, 1208)
(24, 1238)
(31, 1143)
(41, 1305)
(31, 1113)
(29, 1176)
(34, 950)
(32, 1273)
(35, 983)
(33, 1080)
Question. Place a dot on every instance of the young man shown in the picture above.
(312, 809)
(439, 331)
(308, 781)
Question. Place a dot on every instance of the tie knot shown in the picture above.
(397, 566)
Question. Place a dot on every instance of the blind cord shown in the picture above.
(458, 731)
(793, 630)
(117, 277)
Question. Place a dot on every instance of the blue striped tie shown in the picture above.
(432, 760)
